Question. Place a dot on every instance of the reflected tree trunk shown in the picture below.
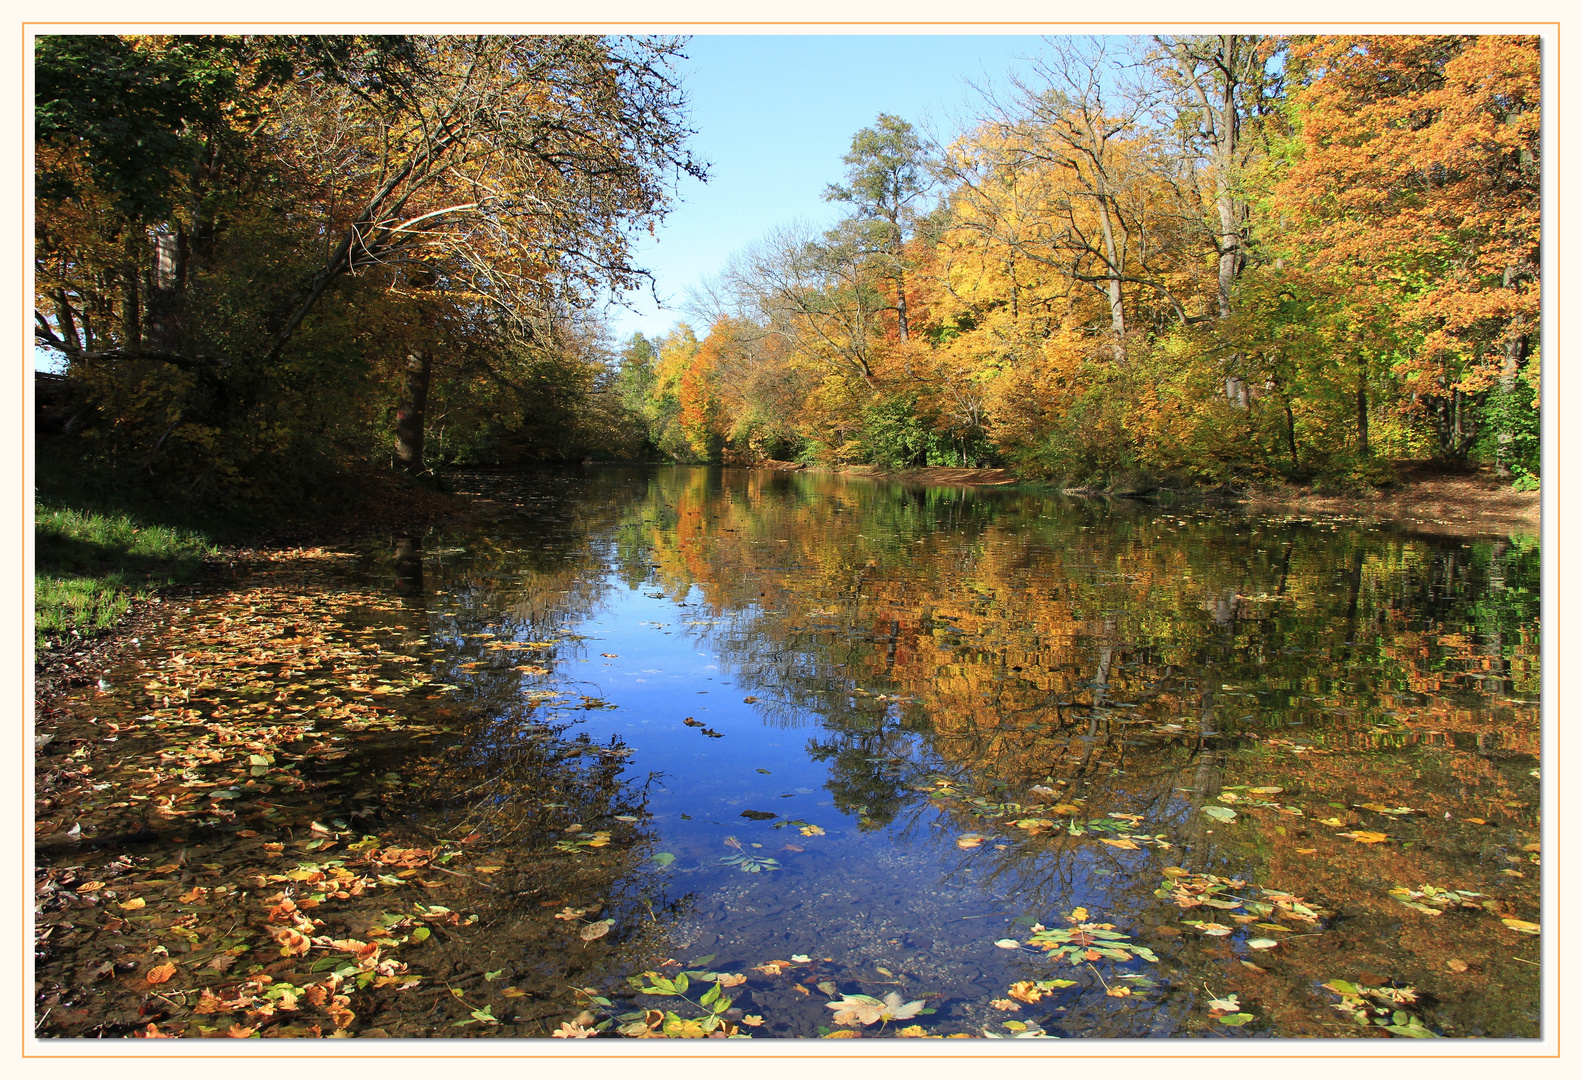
(409, 566)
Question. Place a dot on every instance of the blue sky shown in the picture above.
(774, 115)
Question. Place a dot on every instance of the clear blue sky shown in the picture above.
(774, 115)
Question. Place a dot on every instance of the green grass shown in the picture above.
(90, 565)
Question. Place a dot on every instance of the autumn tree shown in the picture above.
(1417, 186)
(481, 180)
(886, 175)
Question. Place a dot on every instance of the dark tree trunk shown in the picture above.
(409, 414)
(1362, 407)
(131, 275)
(1290, 432)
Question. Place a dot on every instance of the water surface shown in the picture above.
(1270, 778)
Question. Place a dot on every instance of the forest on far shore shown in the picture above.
(269, 261)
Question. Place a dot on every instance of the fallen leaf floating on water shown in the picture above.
(1521, 925)
(1009, 943)
(1364, 836)
(969, 840)
(856, 1009)
(160, 974)
(594, 931)
(1262, 943)
(749, 700)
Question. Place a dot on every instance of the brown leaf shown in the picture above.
(160, 973)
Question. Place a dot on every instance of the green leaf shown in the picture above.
(700, 961)
(663, 858)
(711, 995)
(681, 984)
(1236, 1019)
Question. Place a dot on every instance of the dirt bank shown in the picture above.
(1427, 498)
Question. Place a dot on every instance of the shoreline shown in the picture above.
(1427, 499)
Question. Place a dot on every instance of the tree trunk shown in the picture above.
(1290, 432)
(409, 414)
(131, 273)
(900, 300)
(1114, 258)
(168, 285)
(1362, 406)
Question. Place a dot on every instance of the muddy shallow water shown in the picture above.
(1038, 766)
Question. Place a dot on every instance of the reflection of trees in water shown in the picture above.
(1114, 653)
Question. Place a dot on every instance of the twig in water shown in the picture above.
(464, 877)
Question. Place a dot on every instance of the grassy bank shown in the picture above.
(91, 564)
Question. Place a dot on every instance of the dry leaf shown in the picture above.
(594, 931)
(160, 974)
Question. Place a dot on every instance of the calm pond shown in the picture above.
(1038, 766)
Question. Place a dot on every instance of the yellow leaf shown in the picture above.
(1363, 836)
(90, 887)
(1065, 809)
(133, 904)
(1126, 844)
(969, 840)
(1522, 925)
(513, 992)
